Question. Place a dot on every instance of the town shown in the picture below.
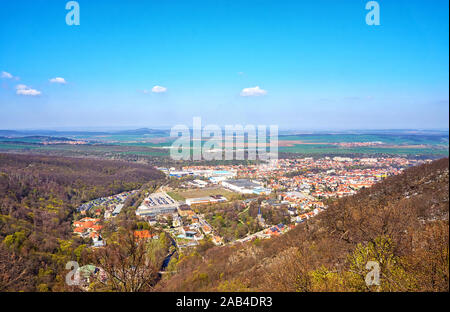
(229, 204)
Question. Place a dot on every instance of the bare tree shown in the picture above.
(127, 265)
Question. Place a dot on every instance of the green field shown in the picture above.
(408, 144)
(331, 149)
(430, 139)
(402, 143)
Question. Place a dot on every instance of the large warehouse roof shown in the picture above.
(243, 183)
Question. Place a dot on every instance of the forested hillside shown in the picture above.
(402, 223)
(38, 196)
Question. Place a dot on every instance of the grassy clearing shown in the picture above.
(175, 196)
(203, 193)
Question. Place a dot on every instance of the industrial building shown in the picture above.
(245, 186)
(213, 175)
(205, 200)
(157, 204)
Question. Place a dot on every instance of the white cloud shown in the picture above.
(159, 89)
(58, 80)
(22, 89)
(255, 91)
(6, 75)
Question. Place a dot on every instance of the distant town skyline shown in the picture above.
(302, 65)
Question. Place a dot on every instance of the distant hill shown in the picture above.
(35, 139)
(22, 133)
(141, 131)
(401, 223)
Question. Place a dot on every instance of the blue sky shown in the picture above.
(318, 64)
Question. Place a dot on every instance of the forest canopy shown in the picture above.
(38, 196)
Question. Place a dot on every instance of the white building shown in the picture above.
(199, 183)
(243, 186)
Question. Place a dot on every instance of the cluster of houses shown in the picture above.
(89, 227)
(299, 201)
(333, 183)
(299, 206)
(305, 216)
(111, 204)
(197, 229)
(276, 230)
(144, 235)
(279, 167)
(334, 177)
(191, 232)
